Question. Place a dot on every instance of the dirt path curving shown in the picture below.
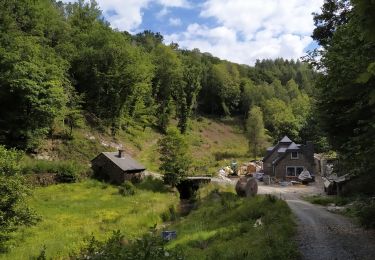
(323, 235)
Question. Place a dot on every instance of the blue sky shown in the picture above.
(236, 30)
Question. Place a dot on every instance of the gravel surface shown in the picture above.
(324, 235)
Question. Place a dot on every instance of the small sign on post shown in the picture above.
(169, 235)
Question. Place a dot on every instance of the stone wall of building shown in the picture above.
(105, 169)
(302, 161)
(267, 164)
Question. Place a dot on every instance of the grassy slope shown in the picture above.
(213, 144)
(72, 212)
(223, 228)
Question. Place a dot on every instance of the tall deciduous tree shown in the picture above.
(174, 157)
(255, 131)
(280, 119)
(167, 80)
(345, 103)
(33, 80)
(189, 88)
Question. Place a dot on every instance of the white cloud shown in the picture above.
(245, 30)
(129, 12)
(163, 12)
(175, 3)
(175, 21)
(250, 30)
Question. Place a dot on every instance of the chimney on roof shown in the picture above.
(121, 153)
(309, 150)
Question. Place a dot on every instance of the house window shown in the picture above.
(294, 155)
(293, 171)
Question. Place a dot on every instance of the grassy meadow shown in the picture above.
(221, 226)
(71, 213)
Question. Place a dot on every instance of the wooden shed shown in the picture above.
(117, 167)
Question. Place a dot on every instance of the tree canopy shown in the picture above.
(61, 63)
(346, 87)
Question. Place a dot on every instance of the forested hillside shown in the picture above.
(62, 65)
(72, 86)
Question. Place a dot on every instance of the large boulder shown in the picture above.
(247, 187)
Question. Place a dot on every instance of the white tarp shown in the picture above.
(305, 175)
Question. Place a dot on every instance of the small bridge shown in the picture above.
(189, 186)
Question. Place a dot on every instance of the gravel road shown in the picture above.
(323, 235)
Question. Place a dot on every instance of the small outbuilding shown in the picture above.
(117, 167)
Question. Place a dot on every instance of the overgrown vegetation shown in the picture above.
(66, 171)
(223, 227)
(174, 157)
(126, 189)
(149, 247)
(15, 212)
(366, 213)
(346, 95)
(360, 208)
(326, 200)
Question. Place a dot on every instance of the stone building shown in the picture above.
(286, 160)
(117, 167)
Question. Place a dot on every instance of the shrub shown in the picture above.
(127, 189)
(366, 214)
(152, 184)
(326, 200)
(170, 214)
(14, 210)
(150, 246)
(66, 171)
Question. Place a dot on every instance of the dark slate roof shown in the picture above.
(125, 163)
(285, 140)
(283, 146)
(293, 146)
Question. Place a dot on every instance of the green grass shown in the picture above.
(360, 208)
(213, 142)
(223, 228)
(326, 200)
(72, 212)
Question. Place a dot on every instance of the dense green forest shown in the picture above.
(63, 67)
(63, 63)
